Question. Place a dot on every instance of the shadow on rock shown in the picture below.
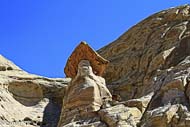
(51, 114)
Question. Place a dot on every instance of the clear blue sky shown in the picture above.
(39, 35)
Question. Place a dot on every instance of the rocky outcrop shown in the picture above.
(84, 52)
(28, 100)
(120, 116)
(87, 92)
(152, 59)
(148, 77)
(7, 65)
(157, 43)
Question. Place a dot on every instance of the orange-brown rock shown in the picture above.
(84, 52)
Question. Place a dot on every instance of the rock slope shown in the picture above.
(148, 76)
(152, 60)
(28, 100)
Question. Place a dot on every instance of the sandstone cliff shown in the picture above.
(148, 76)
(152, 60)
(27, 99)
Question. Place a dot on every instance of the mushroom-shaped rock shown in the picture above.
(87, 91)
(84, 52)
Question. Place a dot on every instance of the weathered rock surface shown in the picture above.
(87, 92)
(148, 76)
(7, 65)
(120, 116)
(152, 60)
(157, 43)
(28, 100)
(85, 52)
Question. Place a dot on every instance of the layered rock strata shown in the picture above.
(152, 59)
(86, 93)
(28, 100)
(148, 77)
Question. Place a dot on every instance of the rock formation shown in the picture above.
(148, 77)
(81, 52)
(152, 60)
(28, 100)
(87, 92)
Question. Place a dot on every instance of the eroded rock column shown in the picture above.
(87, 93)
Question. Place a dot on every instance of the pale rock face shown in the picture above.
(140, 103)
(7, 65)
(167, 116)
(120, 116)
(148, 76)
(28, 100)
(86, 89)
(159, 42)
(153, 59)
(84, 68)
(86, 94)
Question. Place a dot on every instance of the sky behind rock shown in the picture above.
(39, 35)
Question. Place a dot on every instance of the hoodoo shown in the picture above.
(87, 92)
